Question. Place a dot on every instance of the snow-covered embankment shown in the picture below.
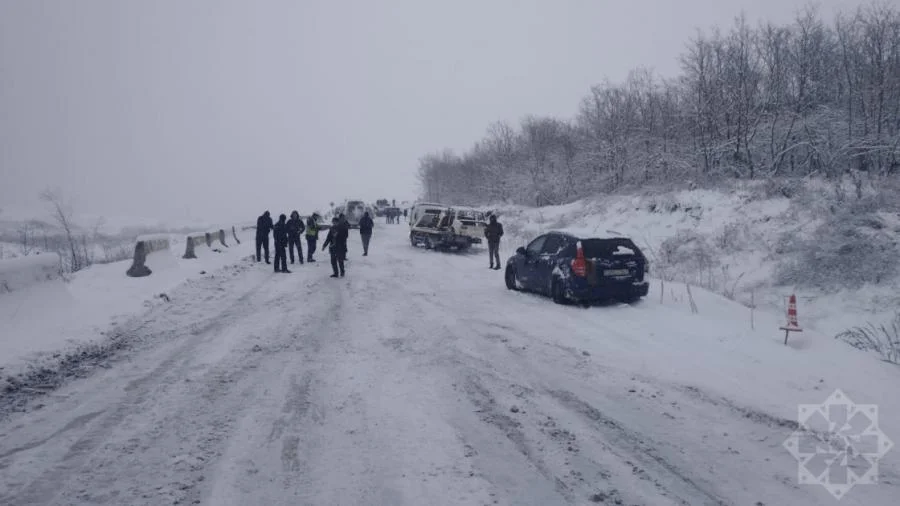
(44, 318)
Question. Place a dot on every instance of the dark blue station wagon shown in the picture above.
(572, 269)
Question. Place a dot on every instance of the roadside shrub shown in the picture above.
(782, 188)
(840, 254)
(687, 250)
(730, 238)
(663, 204)
(882, 339)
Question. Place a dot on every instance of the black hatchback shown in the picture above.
(572, 269)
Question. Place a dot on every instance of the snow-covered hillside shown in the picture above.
(755, 246)
(46, 322)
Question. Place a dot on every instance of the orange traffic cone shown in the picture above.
(792, 324)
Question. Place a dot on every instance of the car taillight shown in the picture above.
(579, 264)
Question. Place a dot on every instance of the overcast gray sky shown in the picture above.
(217, 110)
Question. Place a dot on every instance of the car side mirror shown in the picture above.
(521, 251)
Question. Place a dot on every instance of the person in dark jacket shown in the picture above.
(263, 227)
(365, 231)
(280, 235)
(493, 232)
(337, 240)
(295, 228)
(312, 236)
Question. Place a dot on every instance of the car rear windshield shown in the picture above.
(606, 248)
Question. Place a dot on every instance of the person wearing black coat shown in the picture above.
(281, 241)
(493, 232)
(295, 228)
(336, 242)
(312, 236)
(263, 227)
(365, 231)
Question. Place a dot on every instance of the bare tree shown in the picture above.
(26, 236)
(62, 214)
(775, 100)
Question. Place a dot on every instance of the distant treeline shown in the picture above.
(809, 98)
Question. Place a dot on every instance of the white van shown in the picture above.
(420, 209)
(439, 226)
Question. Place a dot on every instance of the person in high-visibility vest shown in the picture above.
(312, 236)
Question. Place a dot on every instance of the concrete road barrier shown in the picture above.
(209, 238)
(143, 247)
(215, 235)
(191, 244)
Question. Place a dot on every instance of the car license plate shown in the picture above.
(616, 272)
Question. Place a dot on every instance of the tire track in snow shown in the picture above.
(377, 442)
(432, 348)
(664, 475)
(454, 348)
(491, 414)
(97, 439)
(266, 460)
(160, 323)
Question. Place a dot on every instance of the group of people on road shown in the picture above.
(392, 215)
(287, 232)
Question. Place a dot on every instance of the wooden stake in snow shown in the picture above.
(691, 300)
(752, 307)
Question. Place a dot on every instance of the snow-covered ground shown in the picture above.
(47, 320)
(419, 379)
(729, 242)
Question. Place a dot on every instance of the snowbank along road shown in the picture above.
(417, 379)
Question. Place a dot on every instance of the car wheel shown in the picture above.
(557, 291)
(510, 278)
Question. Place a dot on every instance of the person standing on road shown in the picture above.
(295, 229)
(493, 232)
(312, 236)
(336, 242)
(365, 231)
(345, 233)
(263, 227)
(280, 235)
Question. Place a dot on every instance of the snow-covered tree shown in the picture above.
(809, 97)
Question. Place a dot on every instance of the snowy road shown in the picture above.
(418, 379)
